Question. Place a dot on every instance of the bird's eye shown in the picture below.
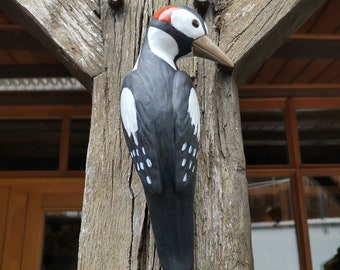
(195, 23)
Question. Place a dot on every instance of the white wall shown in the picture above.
(276, 247)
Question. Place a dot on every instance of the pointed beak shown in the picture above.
(205, 48)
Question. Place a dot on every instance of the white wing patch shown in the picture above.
(129, 113)
(194, 112)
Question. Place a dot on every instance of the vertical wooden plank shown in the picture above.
(292, 134)
(301, 225)
(33, 239)
(13, 245)
(300, 212)
(4, 196)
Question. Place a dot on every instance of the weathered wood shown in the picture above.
(222, 210)
(69, 29)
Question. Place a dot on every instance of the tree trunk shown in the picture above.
(116, 231)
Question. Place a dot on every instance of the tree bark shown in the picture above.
(116, 231)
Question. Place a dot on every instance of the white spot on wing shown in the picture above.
(184, 161)
(129, 113)
(141, 166)
(148, 162)
(184, 146)
(185, 178)
(190, 149)
(190, 164)
(194, 112)
(143, 150)
(148, 180)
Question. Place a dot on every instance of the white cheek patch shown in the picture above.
(182, 19)
(163, 45)
(129, 114)
(194, 112)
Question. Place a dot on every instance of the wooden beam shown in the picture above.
(33, 71)
(46, 97)
(268, 22)
(310, 47)
(301, 225)
(57, 26)
(289, 90)
(19, 40)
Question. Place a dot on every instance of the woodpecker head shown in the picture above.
(177, 31)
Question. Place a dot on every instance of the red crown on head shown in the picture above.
(164, 14)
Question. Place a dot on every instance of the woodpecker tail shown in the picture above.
(172, 223)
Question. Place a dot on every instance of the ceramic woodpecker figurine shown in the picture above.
(161, 120)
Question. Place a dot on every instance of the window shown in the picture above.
(29, 144)
(319, 134)
(42, 162)
(264, 133)
(40, 138)
(322, 196)
(79, 137)
(273, 226)
(292, 148)
(61, 237)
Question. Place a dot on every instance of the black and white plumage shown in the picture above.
(161, 120)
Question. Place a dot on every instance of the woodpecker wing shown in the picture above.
(140, 135)
(187, 129)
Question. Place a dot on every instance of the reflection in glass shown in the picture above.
(264, 137)
(29, 144)
(319, 135)
(79, 138)
(61, 235)
(273, 226)
(322, 195)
